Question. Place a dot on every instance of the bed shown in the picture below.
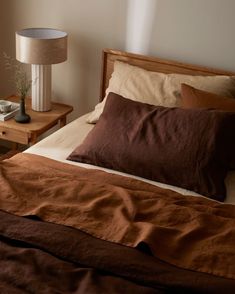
(73, 223)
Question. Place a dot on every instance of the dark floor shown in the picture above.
(6, 153)
(4, 150)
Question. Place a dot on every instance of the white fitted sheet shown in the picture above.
(61, 143)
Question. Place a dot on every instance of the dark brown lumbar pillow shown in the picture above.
(189, 148)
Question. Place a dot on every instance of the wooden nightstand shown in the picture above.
(40, 123)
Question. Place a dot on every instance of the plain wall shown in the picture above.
(195, 31)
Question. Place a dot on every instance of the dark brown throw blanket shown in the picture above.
(189, 232)
(40, 257)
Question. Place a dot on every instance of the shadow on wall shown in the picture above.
(83, 67)
(78, 73)
(8, 32)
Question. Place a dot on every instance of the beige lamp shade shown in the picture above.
(41, 46)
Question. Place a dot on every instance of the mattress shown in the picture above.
(61, 143)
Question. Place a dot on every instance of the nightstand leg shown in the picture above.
(14, 146)
(62, 122)
(33, 139)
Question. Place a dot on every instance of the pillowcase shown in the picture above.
(188, 148)
(158, 88)
(195, 98)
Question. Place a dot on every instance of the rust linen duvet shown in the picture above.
(191, 237)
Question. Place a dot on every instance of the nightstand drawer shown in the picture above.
(13, 135)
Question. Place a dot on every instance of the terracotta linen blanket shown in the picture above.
(190, 232)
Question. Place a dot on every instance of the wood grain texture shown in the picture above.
(40, 122)
(152, 64)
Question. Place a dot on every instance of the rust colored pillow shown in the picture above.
(189, 148)
(195, 98)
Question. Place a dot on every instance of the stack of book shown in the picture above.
(14, 110)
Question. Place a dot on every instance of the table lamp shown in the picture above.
(41, 47)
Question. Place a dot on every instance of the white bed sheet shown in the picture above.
(61, 143)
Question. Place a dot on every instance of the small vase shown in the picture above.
(22, 117)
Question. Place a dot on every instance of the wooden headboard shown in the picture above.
(150, 63)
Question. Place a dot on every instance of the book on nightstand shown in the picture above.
(14, 110)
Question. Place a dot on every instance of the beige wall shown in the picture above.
(194, 31)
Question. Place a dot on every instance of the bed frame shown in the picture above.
(150, 63)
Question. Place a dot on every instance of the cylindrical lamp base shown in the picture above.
(41, 87)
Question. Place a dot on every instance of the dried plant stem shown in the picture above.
(22, 83)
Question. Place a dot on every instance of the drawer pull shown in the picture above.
(2, 133)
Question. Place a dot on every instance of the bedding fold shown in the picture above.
(189, 232)
(36, 255)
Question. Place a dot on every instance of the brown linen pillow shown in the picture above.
(189, 148)
(195, 98)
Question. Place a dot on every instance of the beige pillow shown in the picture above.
(158, 88)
